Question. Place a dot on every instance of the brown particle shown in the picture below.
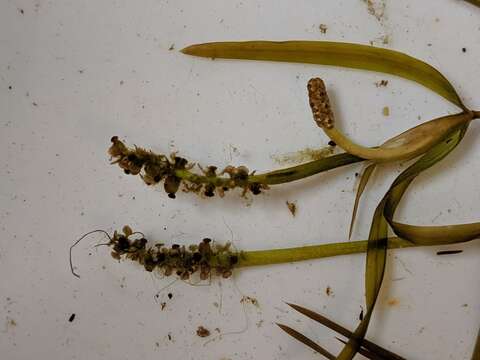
(249, 299)
(323, 28)
(328, 291)
(162, 305)
(203, 332)
(381, 83)
(292, 206)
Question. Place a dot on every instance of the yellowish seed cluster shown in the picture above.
(320, 104)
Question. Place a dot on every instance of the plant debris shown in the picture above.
(248, 299)
(386, 111)
(292, 206)
(381, 83)
(449, 252)
(203, 332)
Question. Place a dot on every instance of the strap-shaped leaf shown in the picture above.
(333, 53)
(361, 187)
(371, 347)
(307, 341)
(378, 240)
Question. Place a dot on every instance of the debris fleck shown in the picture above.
(360, 317)
(449, 252)
(328, 291)
(292, 206)
(323, 28)
(464, 50)
(21, 11)
(386, 111)
(376, 8)
(307, 154)
(381, 83)
(393, 302)
(170, 296)
(203, 332)
(71, 318)
(332, 143)
(172, 47)
(162, 305)
(248, 299)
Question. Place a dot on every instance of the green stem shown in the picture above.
(278, 256)
(278, 176)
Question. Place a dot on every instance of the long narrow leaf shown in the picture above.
(365, 352)
(305, 340)
(333, 53)
(378, 241)
(367, 173)
(345, 332)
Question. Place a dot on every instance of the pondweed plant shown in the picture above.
(427, 144)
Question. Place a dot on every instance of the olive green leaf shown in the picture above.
(367, 173)
(378, 240)
(333, 53)
(305, 340)
(373, 348)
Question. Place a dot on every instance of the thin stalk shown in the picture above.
(276, 177)
(278, 256)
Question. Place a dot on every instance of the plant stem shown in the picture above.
(277, 256)
(278, 176)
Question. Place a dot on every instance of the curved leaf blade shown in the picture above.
(333, 53)
(367, 173)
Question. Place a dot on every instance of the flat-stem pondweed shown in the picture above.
(428, 143)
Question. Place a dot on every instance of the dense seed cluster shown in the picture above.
(320, 103)
(175, 171)
(207, 258)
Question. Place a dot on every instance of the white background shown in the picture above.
(96, 69)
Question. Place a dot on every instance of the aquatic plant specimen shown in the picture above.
(177, 172)
(433, 141)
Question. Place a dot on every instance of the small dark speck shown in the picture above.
(122, 82)
(34, 103)
(10, 87)
(170, 295)
(81, 71)
(21, 11)
(172, 47)
(71, 318)
(464, 50)
(357, 174)
(332, 143)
